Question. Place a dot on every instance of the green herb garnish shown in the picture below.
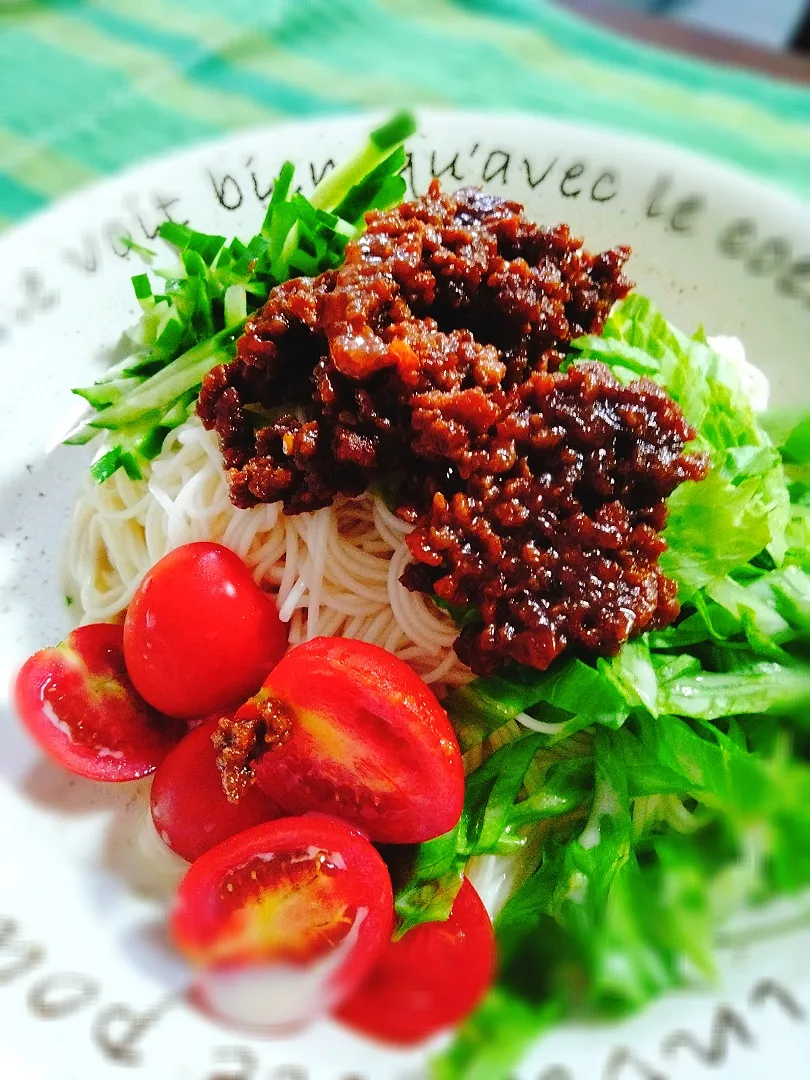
(192, 321)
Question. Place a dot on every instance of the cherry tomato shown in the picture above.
(189, 807)
(200, 635)
(431, 978)
(78, 702)
(350, 729)
(283, 921)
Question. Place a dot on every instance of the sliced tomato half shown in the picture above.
(283, 921)
(189, 807)
(77, 700)
(347, 728)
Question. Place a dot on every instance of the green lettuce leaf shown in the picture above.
(742, 508)
(789, 429)
(714, 528)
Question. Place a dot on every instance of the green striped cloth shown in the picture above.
(89, 86)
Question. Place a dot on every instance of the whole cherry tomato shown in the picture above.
(78, 702)
(200, 636)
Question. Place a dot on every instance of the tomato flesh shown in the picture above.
(283, 920)
(77, 701)
(200, 635)
(352, 730)
(189, 807)
(430, 979)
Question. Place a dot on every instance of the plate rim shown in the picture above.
(748, 184)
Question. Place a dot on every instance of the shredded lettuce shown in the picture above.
(743, 507)
(501, 800)
(502, 1029)
(669, 785)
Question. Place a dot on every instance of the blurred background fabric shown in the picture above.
(88, 87)
(772, 23)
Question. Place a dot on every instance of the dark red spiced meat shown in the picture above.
(430, 361)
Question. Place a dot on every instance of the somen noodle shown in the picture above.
(334, 571)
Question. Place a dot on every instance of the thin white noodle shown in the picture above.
(294, 597)
(334, 572)
(289, 576)
(320, 526)
(544, 726)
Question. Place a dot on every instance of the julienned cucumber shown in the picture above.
(204, 301)
(157, 394)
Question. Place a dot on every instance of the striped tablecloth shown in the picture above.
(89, 86)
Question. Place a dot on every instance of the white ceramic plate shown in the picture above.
(88, 988)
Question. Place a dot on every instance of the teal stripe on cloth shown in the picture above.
(108, 123)
(212, 71)
(16, 200)
(453, 69)
(87, 89)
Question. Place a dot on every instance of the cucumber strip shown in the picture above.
(175, 234)
(158, 393)
(103, 394)
(215, 287)
(235, 305)
(358, 198)
(106, 465)
(334, 187)
(141, 286)
(80, 435)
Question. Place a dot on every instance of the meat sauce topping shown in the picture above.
(429, 364)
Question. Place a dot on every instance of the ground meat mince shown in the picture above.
(429, 364)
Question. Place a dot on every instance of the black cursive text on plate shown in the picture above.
(729, 1030)
(117, 1031)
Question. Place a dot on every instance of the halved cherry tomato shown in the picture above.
(283, 921)
(200, 635)
(78, 702)
(428, 980)
(350, 729)
(189, 807)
